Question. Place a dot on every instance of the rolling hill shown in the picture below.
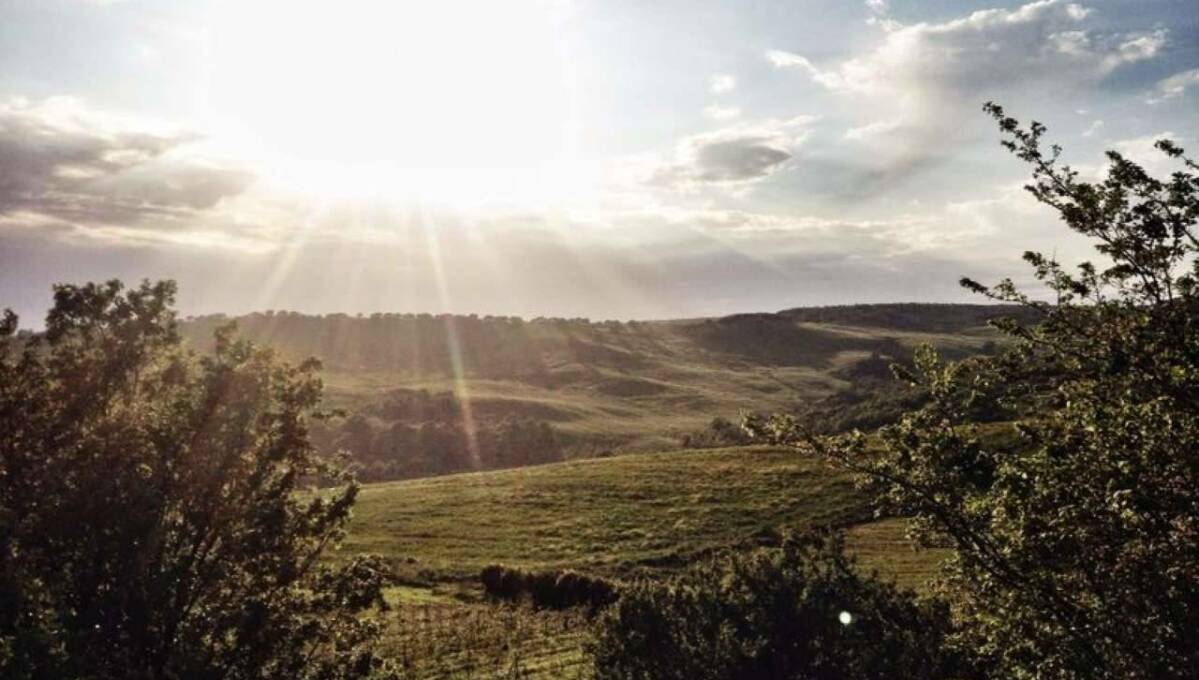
(601, 387)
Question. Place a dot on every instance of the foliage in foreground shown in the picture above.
(797, 611)
(150, 525)
(1076, 554)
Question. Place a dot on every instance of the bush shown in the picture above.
(719, 433)
(504, 583)
(492, 577)
(579, 590)
(513, 584)
(548, 589)
(543, 590)
(795, 611)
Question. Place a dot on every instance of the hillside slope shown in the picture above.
(601, 387)
(619, 516)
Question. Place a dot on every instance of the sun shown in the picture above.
(454, 101)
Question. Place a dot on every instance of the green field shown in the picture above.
(615, 395)
(614, 516)
(637, 515)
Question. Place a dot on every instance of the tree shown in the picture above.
(799, 611)
(153, 516)
(1076, 552)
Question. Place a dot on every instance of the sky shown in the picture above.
(594, 158)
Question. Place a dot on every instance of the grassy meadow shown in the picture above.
(623, 517)
(619, 516)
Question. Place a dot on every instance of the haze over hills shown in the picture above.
(430, 346)
(434, 394)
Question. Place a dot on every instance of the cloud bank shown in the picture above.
(62, 162)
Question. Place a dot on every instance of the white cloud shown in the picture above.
(987, 48)
(924, 82)
(874, 129)
(71, 164)
(783, 59)
(721, 83)
(1177, 84)
(1072, 43)
(880, 15)
(1007, 217)
(1134, 48)
(1094, 127)
(1142, 150)
(722, 112)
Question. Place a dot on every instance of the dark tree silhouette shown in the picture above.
(153, 522)
(1075, 552)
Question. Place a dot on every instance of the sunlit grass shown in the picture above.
(622, 517)
(618, 516)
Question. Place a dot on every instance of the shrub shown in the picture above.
(544, 591)
(505, 583)
(492, 577)
(795, 611)
(548, 589)
(513, 584)
(580, 590)
(720, 432)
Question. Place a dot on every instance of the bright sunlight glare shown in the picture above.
(455, 101)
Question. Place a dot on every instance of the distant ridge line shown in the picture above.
(915, 316)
